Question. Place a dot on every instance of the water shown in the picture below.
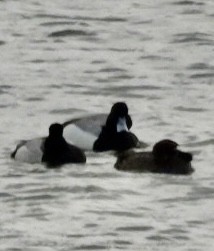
(61, 59)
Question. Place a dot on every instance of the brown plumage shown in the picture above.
(164, 158)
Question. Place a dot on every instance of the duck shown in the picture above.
(52, 150)
(102, 132)
(164, 158)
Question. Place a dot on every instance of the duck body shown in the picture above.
(119, 141)
(102, 132)
(52, 150)
(165, 158)
(29, 151)
(84, 131)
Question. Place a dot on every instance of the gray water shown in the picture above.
(61, 59)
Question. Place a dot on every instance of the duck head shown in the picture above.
(56, 130)
(119, 120)
(169, 159)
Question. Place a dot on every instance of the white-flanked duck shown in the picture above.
(52, 150)
(102, 132)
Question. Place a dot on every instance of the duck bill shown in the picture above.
(121, 125)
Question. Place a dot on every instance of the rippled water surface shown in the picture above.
(61, 59)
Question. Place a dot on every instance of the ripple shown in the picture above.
(157, 58)
(87, 189)
(133, 88)
(5, 195)
(192, 37)
(187, 2)
(39, 216)
(116, 213)
(192, 12)
(11, 236)
(174, 230)
(37, 61)
(4, 89)
(37, 197)
(76, 235)
(15, 249)
(122, 49)
(65, 111)
(200, 66)
(105, 197)
(35, 99)
(58, 23)
(112, 70)
(181, 237)
(195, 223)
(104, 19)
(158, 238)
(149, 21)
(115, 78)
(4, 106)
(201, 143)
(69, 32)
(135, 228)
(204, 191)
(52, 16)
(202, 75)
(91, 225)
(121, 242)
(91, 247)
(174, 200)
(46, 190)
(98, 62)
(189, 109)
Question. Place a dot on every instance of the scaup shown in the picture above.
(102, 132)
(52, 150)
(164, 158)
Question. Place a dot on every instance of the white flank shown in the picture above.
(30, 152)
(74, 135)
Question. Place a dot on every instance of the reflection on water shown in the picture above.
(63, 59)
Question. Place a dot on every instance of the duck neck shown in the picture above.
(116, 124)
